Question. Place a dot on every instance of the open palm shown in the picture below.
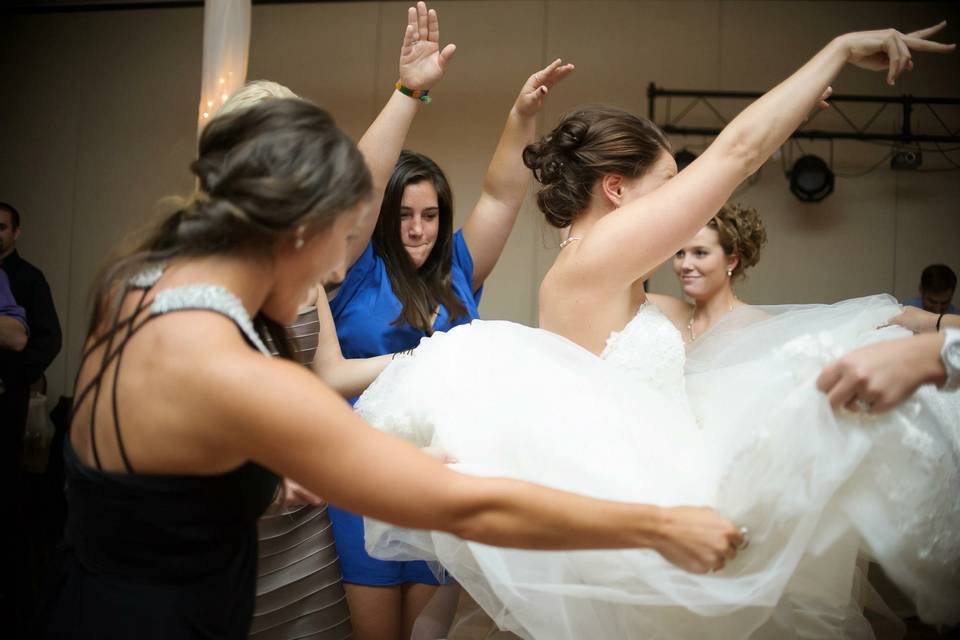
(422, 61)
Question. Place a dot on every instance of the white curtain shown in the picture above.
(226, 43)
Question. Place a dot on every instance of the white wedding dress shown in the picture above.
(737, 425)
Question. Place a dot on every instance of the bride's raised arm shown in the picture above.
(641, 234)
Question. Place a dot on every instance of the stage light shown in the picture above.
(683, 158)
(906, 159)
(811, 180)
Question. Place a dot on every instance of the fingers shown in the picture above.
(919, 44)
(446, 54)
(829, 377)
(433, 26)
(905, 60)
(929, 31)
(893, 58)
(823, 104)
(408, 38)
(918, 40)
(423, 31)
(552, 73)
(411, 26)
(539, 77)
(844, 390)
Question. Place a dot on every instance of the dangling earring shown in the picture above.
(298, 242)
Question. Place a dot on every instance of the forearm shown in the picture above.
(768, 122)
(948, 321)
(13, 335)
(507, 179)
(351, 376)
(925, 356)
(382, 142)
(518, 514)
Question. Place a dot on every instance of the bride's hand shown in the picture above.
(698, 539)
(422, 61)
(890, 50)
(535, 89)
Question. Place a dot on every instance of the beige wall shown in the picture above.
(97, 122)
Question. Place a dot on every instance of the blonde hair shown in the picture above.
(253, 93)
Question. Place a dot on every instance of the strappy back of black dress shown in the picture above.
(157, 556)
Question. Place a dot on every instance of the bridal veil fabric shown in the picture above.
(736, 424)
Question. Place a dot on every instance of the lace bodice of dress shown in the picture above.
(651, 349)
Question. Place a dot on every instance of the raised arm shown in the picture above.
(507, 180)
(631, 241)
(422, 65)
(313, 437)
(347, 376)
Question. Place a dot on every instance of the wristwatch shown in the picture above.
(950, 355)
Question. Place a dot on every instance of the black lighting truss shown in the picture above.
(906, 103)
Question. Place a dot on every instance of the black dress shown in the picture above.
(159, 556)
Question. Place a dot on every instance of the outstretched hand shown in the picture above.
(535, 89)
(422, 61)
(890, 50)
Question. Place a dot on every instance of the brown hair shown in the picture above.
(263, 172)
(589, 143)
(419, 290)
(741, 233)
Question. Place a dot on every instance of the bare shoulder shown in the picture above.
(677, 310)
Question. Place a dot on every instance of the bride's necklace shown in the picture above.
(569, 240)
(693, 315)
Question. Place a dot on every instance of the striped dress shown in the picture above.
(299, 590)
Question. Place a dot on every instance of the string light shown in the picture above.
(209, 103)
(223, 98)
(206, 115)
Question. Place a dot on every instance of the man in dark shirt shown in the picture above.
(18, 370)
(30, 289)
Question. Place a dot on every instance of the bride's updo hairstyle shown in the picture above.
(741, 233)
(589, 143)
(263, 172)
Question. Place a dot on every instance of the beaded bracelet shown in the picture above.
(423, 95)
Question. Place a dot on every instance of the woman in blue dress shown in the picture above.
(414, 278)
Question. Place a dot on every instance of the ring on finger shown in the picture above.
(745, 534)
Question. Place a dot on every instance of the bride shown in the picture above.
(597, 402)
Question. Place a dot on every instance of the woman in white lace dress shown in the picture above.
(599, 404)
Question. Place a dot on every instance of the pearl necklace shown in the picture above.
(693, 315)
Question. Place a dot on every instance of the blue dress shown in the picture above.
(364, 311)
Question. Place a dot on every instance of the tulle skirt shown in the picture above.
(754, 439)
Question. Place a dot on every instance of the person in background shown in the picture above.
(938, 282)
(19, 369)
(418, 276)
(708, 264)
